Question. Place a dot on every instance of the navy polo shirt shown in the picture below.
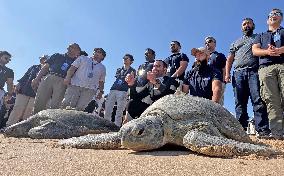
(217, 61)
(59, 64)
(199, 79)
(268, 38)
(120, 83)
(5, 73)
(173, 62)
(26, 80)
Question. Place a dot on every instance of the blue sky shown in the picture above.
(30, 28)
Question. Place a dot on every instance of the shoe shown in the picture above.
(269, 136)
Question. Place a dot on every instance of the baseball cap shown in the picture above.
(194, 51)
(45, 56)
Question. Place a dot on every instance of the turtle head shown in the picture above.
(145, 133)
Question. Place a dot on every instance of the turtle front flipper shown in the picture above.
(94, 141)
(219, 146)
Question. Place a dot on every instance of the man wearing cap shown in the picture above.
(177, 62)
(245, 79)
(85, 78)
(158, 86)
(118, 91)
(216, 60)
(203, 80)
(6, 76)
(52, 88)
(270, 47)
(25, 94)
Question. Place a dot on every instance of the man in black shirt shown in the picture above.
(158, 86)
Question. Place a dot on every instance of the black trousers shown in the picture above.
(136, 108)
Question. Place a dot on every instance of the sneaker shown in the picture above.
(269, 136)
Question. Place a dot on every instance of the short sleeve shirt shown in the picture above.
(200, 78)
(217, 61)
(5, 73)
(59, 64)
(120, 83)
(89, 73)
(273, 38)
(173, 62)
(242, 50)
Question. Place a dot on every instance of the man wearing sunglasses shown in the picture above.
(6, 75)
(245, 79)
(216, 60)
(270, 47)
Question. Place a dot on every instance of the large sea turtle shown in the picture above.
(196, 123)
(58, 123)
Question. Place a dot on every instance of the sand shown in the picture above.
(30, 157)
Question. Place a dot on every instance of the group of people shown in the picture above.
(71, 80)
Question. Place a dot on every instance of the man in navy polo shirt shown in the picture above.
(118, 91)
(270, 47)
(203, 80)
(52, 88)
(25, 97)
(177, 62)
(216, 60)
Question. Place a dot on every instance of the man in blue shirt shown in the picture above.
(52, 88)
(216, 60)
(245, 79)
(270, 47)
(203, 80)
(25, 94)
(118, 91)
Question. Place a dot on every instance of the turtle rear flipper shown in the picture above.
(94, 141)
(219, 146)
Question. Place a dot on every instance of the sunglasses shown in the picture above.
(274, 14)
(209, 41)
(7, 58)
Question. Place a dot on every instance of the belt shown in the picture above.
(57, 74)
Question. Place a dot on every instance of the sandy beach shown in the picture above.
(30, 157)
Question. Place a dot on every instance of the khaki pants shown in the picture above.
(22, 109)
(78, 97)
(120, 98)
(51, 89)
(272, 92)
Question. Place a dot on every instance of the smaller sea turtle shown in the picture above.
(59, 124)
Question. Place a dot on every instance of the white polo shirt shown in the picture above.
(88, 73)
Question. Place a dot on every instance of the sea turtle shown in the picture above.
(195, 123)
(59, 124)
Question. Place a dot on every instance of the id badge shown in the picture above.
(276, 37)
(90, 75)
(64, 66)
(169, 69)
(119, 82)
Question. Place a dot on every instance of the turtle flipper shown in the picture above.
(94, 141)
(220, 146)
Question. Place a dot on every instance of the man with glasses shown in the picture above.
(51, 88)
(6, 76)
(85, 79)
(118, 91)
(270, 47)
(245, 79)
(218, 61)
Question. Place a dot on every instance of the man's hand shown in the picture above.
(272, 51)
(35, 83)
(151, 76)
(99, 95)
(66, 81)
(130, 79)
(227, 79)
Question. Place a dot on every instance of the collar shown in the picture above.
(277, 30)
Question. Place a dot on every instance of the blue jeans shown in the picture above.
(245, 83)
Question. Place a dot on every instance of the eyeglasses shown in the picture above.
(7, 58)
(209, 41)
(274, 14)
